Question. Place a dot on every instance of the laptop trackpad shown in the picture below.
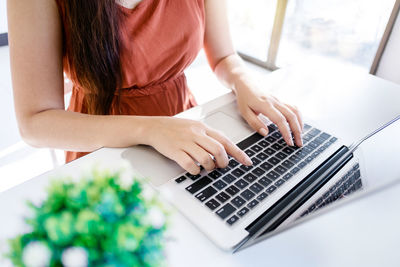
(146, 161)
(234, 129)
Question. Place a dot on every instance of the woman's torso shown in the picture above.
(160, 38)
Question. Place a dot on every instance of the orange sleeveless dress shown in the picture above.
(160, 38)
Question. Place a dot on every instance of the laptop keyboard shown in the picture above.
(232, 192)
(349, 183)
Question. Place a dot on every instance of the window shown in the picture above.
(284, 32)
(252, 26)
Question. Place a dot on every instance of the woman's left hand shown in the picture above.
(252, 101)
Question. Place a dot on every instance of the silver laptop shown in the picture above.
(237, 205)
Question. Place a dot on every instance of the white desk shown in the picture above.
(347, 103)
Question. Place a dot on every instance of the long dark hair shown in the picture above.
(93, 48)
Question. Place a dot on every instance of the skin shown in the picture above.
(35, 37)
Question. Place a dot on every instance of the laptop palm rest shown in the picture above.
(158, 169)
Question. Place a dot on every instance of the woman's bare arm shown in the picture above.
(37, 75)
(230, 70)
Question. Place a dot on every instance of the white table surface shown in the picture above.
(345, 102)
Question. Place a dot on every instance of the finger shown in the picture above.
(277, 117)
(298, 114)
(201, 156)
(254, 121)
(231, 148)
(215, 148)
(293, 122)
(186, 162)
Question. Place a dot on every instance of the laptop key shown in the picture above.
(246, 168)
(263, 143)
(250, 177)
(287, 176)
(262, 156)
(262, 196)
(249, 152)
(281, 155)
(280, 169)
(301, 154)
(258, 172)
(265, 181)
(238, 202)
(315, 154)
(324, 136)
(232, 220)
(273, 161)
(247, 194)
(225, 211)
(314, 132)
(256, 148)
(255, 161)
(319, 140)
(294, 158)
(233, 163)
(238, 172)
(295, 170)
(308, 159)
(270, 139)
(232, 190)
(357, 174)
(249, 141)
(252, 204)
(219, 185)
(206, 193)
(272, 175)
(266, 166)
(276, 146)
(281, 142)
(193, 177)
(212, 204)
(287, 164)
(276, 135)
(224, 170)
(222, 197)
(256, 188)
(196, 186)
(214, 174)
(180, 179)
(279, 182)
(302, 164)
(288, 150)
(269, 151)
(271, 189)
(241, 183)
(332, 140)
(229, 178)
(243, 212)
(272, 127)
(313, 144)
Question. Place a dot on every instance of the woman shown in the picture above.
(126, 59)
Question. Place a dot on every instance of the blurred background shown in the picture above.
(268, 34)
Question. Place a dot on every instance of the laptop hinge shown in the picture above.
(290, 202)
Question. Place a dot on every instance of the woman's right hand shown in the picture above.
(188, 141)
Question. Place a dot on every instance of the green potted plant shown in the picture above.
(106, 219)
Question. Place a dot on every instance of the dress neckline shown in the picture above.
(138, 6)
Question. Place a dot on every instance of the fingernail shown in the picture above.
(291, 142)
(248, 160)
(263, 132)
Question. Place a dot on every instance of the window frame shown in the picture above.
(277, 29)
